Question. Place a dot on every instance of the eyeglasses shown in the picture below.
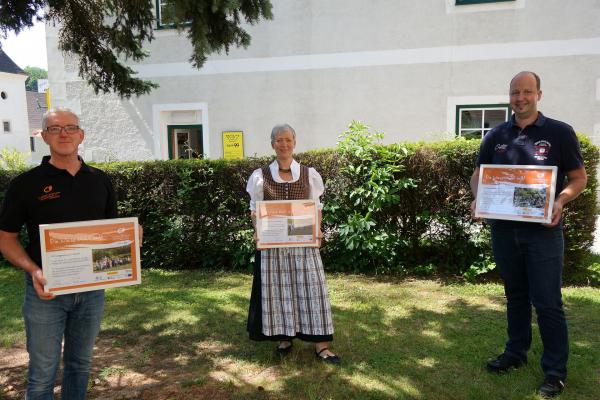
(56, 129)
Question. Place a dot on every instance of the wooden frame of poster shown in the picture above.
(287, 223)
(90, 255)
(516, 192)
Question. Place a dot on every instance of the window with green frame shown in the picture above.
(465, 2)
(184, 141)
(473, 121)
(164, 14)
(163, 18)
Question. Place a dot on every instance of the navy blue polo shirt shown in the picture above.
(46, 195)
(545, 142)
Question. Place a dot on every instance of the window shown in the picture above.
(162, 13)
(165, 16)
(473, 121)
(6, 126)
(464, 2)
(185, 141)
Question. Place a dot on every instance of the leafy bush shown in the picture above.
(580, 214)
(387, 208)
(12, 159)
(373, 180)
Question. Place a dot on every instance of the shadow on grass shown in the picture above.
(11, 299)
(182, 336)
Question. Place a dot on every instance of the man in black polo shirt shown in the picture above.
(529, 256)
(62, 189)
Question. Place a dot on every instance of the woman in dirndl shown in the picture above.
(289, 297)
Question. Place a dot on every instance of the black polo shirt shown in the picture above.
(46, 195)
(545, 142)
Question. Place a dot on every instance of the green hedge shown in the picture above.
(414, 217)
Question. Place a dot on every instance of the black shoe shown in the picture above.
(551, 387)
(328, 359)
(284, 351)
(503, 363)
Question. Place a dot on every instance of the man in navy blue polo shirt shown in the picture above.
(62, 189)
(529, 256)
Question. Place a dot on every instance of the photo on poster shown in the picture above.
(300, 226)
(532, 199)
(112, 258)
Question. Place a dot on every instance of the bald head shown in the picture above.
(522, 74)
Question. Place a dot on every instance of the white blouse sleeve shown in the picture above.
(316, 186)
(255, 188)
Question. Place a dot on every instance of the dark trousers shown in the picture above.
(530, 261)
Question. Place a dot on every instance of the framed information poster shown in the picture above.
(516, 192)
(90, 255)
(287, 223)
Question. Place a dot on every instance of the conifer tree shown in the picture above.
(104, 34)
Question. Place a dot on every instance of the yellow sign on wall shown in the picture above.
(233, 145)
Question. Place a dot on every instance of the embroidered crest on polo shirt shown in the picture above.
(49, 193)
(542, 149)
(501, 148)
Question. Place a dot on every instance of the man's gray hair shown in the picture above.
(277, 129)
(54, 111)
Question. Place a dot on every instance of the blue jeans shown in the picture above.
(530, 262)
(76, 317)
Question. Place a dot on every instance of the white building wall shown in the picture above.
(14, 110)
(400, 66)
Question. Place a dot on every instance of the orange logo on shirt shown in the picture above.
(49, 194)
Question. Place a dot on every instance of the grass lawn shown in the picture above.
(181, 335)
